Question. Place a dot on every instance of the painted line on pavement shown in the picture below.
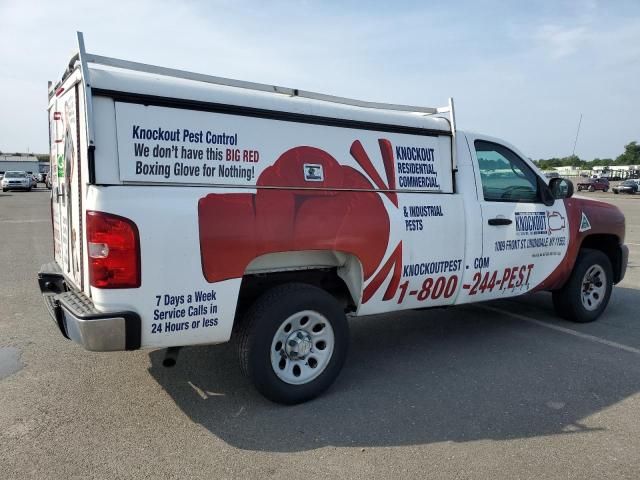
(558, 328)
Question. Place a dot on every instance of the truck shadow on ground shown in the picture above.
(459, 374)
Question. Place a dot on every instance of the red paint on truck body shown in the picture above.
(604, 218)
(342, 213)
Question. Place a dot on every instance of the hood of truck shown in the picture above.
(603, 217)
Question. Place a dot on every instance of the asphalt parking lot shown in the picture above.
(498, 390)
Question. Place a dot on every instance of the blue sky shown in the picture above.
(522, 71)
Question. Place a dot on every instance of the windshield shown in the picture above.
(15, 174)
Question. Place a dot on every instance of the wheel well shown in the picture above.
(610, 246)
(253, 285)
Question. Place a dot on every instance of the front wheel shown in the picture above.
(586, 294)
(293, 342)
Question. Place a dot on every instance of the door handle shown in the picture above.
(500, 221)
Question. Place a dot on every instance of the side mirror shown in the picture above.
(545, 192)
(561, 188)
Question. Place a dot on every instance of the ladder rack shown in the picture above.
(262, 87)
(85, 58)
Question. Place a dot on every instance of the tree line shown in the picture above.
(631, 156)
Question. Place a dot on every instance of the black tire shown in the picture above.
(615, 191)
(568, 300)
(605, 189)
(4, 189)
(263, 320)
(591, 189)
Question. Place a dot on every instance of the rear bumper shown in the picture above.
(77, 318)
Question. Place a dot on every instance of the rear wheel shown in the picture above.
(293, 342)
(586, 294)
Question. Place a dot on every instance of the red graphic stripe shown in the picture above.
(357, 152)
(394, 261)
(387, 157)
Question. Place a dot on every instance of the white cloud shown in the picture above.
(561, 41)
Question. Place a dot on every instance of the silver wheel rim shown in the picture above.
(302, 347)
(594, 287)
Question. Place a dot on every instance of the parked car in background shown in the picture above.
(16, 180)
(628, 186)
(593, 184)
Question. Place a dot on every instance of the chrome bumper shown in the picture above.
(77, 318)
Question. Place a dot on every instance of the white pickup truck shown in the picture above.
(189, 209)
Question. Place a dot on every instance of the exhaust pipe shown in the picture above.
(171, 357)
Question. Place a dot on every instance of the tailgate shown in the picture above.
(66, 198)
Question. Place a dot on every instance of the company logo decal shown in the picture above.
(313, 172)
(584, 224)
(539, 223)
(555, 221)
(531, 223)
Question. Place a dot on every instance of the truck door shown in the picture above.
(65, 198)
(523, 240)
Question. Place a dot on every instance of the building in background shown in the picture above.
(27, 163)
(568, 171)
(616, 172)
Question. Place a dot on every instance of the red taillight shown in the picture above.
(113, 248)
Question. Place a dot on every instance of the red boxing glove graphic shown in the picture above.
(236, 228)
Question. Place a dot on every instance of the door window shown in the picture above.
(505, 176)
